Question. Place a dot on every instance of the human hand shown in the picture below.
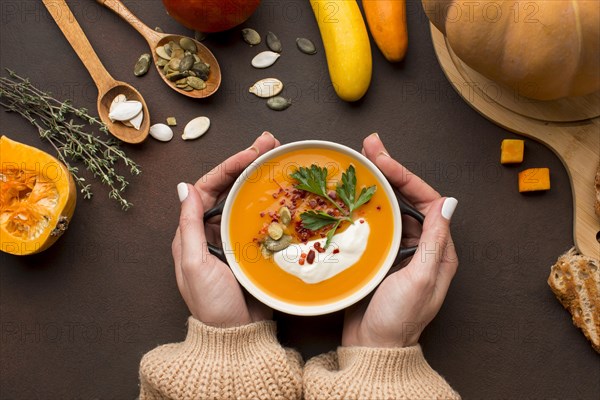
(207, 285)
(408, 299)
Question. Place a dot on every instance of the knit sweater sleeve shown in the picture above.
(222, 363)
(373, 373)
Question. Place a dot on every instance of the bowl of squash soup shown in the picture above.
(310, 227)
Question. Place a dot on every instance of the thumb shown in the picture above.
(433, 245)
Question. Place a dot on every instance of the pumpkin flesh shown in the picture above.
(37, 198)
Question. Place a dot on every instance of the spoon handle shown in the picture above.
(151, 36)
(69, 26)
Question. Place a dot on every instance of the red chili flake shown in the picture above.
(378, 208)
(310, 258)
(262, 214)
(303, 255)
(282, 202)
(335, 251)
(330, 212)
(318, 247)
(362, 221)
(312, 203)
(274, 195)
(301, 261)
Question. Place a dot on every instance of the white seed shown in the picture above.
(266, 88)
(125, 110)
(118, 99)
(136, 121)
(265, 59)
(196, 128)
(161, 132)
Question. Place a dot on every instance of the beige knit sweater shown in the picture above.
(247, 362)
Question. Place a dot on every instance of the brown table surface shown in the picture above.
(77, 318)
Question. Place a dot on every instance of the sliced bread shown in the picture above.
(575, 280)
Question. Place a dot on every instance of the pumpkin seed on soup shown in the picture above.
(275, 230)
(285, 216)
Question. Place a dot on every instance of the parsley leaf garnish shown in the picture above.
(347, 190)
(315, 220)
(314, 180)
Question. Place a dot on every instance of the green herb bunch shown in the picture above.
(314, 180)
(54, 120)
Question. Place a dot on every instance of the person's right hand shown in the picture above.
(408, 299)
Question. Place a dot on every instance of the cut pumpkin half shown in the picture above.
(37, 198)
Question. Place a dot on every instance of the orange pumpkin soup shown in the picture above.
(266, 190)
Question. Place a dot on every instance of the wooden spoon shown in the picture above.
(108, 88)
(156, 39)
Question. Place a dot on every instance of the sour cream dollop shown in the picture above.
(344, 251)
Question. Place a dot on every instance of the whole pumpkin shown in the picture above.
(210, 15)
(545, 49)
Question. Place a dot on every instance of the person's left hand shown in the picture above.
(207, 285)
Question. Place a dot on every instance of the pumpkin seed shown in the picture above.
(171, 121)
(265, 59)
(197, 58)
(136, 121)
(186, 63)
(275, 231)
(142, 65)
(188, 45)
(278, 103)
(196, 83)
(196, 128)
(159, 30)
(174, 64)
(161, 62)
(266, 88)
(306, 46)
(174, 46)
(250, 36)
(266, 253)
(118, 99)
(285, 216)
(273, 42)
(161, 132)
(277, 245)
(188, 88)
(175, 76)
(199, 36)
(162, 53)
(177, 53)
(125, 110)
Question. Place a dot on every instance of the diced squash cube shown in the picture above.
(512, 151)
(534, 179)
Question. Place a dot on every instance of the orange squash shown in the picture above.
(534, 179)
(544, 50)
(387, 23)
(37, 198)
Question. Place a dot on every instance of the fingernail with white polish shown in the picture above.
(375, 134)
(182, 191)
(448, 208)
(268, 133)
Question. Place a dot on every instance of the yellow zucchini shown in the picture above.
(347, 46)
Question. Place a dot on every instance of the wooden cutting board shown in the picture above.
(570, 127)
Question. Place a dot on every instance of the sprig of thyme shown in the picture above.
(55, 122)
